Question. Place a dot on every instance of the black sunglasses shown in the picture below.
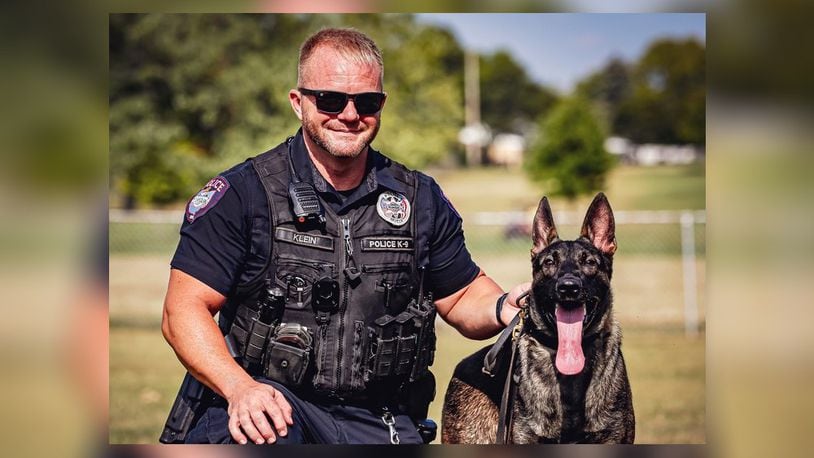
(331, 102)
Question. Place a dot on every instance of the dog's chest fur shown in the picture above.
(552, 408)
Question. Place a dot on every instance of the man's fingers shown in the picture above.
(285, 408)
(262, 413)
(276, 415)
(263, 426)
(234, 430)
(247, 424)
(516, 295)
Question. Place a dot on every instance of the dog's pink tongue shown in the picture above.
(570, 359)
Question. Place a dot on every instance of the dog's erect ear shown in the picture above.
(599, 226)
(543, 233)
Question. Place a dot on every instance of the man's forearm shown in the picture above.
(201, 348)
(472, 310)
(195, 337)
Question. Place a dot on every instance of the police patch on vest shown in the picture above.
(301, 238)
(206, 198)
(393, 208)
(387, 244)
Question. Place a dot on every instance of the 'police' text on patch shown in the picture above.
(206, 198)
(387, 244)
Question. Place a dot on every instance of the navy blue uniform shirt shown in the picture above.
(225, 236)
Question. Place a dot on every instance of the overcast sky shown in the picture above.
(560, 49)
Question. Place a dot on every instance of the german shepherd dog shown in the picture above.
(572, 385)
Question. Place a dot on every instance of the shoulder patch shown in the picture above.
(206, 198)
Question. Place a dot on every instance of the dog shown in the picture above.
(571, 380)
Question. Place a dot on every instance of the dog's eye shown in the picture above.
(548, 262)
(591, 262)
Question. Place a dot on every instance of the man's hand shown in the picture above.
(511, 306)
(251, 405)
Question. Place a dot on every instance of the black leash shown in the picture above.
(513, 330)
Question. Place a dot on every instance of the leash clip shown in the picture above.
(387, 419)
(518, 328)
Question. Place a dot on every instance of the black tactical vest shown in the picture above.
(376, 264)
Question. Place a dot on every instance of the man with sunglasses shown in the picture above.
(323, 257)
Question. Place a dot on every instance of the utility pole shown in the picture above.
(472, 105)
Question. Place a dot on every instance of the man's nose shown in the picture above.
(349, 113)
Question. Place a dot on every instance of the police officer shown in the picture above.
(347, 240)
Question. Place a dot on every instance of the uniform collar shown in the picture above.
(378, 172)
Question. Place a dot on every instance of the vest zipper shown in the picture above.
(346, 259)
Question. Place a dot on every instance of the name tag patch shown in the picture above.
(301, 238)
(387, 244)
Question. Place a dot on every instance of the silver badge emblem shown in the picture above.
(393, 208)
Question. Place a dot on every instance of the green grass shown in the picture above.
(668, 398)
(666, 373)
(143, 237)
(666, 369)
(657, 239)
(658, 188)
(627, 188)
(144, 378)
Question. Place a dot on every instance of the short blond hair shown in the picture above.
(347, 42)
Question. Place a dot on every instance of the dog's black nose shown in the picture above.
(568, 287)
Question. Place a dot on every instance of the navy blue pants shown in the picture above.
(314, 423)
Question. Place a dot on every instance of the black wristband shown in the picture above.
(499, 307)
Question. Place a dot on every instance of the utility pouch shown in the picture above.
(407, 343)
(384, 342)
(424, 318)
(256, 342)
(288, 355)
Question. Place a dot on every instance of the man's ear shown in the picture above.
(599, 226)
(295, 98)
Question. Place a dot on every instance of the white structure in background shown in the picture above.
(621, 147)
(506, 149)
(652, 154)
(475, 134)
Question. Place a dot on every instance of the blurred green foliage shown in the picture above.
(510, 100)
(569, 157)
(661, 98)
(191, 95)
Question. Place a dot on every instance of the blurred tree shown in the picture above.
(668, 99)
(423, 78)
(569, 158)
(608, 88)
(658, 99)
(510, 100)
(191, 95)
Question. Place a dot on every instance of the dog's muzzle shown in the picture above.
(569, 287)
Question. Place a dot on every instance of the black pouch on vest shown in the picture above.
(288, 355)
(407, 343)
(424, 316)
(384, 342)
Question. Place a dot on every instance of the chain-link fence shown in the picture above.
(658, 271)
